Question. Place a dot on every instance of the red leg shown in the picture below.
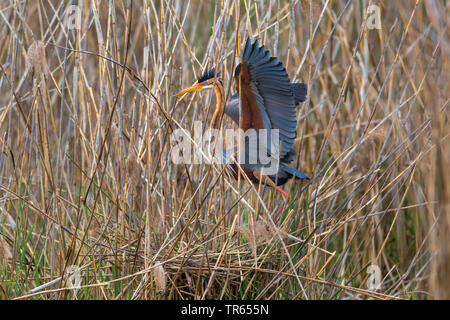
(265, 179)
(285, 195)
(286, 198)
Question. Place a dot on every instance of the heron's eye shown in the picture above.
(237, 71)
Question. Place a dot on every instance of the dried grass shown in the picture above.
(87, 178)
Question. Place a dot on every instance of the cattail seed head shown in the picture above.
(262, 230)
(132, 168)
(5, 252)
(160, 277)
(36, 56)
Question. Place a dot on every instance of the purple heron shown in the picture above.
(267, 101)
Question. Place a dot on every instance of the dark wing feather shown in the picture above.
(299, 90)
(272, 90)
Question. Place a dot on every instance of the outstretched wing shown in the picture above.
(267, 99)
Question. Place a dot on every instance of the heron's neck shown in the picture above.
(217, 117)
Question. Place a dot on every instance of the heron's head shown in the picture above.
(206, 81)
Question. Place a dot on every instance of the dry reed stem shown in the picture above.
(87, 180)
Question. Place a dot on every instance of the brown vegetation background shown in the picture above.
(92, 206)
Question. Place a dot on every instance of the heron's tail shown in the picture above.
(300, 91)
(298, 174)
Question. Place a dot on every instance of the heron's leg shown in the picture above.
(266, 179)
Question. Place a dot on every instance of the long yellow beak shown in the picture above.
(195, 87)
